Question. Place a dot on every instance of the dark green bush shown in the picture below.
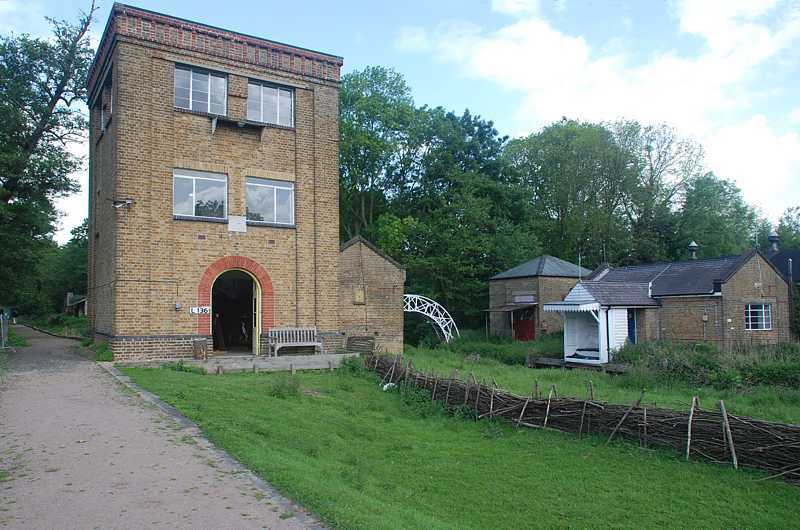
(704, 364)
(283, 386)
(419, 401)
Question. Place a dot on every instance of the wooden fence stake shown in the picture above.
(726, 427)
(645, 427)
(447, 394)
(491, 401)
(521, 414)
(435, 384)
(536, 388)
(555, 392)
(547, 412)
(591, 390)
(689, 428)
(625, 416)
(583, 413)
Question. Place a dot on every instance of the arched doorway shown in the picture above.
(236, 312)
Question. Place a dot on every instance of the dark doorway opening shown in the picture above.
(632, 326)
(232, 306)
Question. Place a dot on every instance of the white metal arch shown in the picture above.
(414, 303)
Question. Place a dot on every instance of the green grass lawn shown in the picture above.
(60, 324)
(764, 402)
(362, 458)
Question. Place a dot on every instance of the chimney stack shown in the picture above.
(774, 238)
(693, 249)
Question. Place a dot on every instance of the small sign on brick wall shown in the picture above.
(200, 310)
(237, 223)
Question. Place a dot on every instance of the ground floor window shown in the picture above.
(758, 316)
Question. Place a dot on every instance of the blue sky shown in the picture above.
(724, 72)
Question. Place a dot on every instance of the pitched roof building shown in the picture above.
(516, 295)
(727, 301)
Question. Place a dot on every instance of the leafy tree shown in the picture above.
(715, 215)
(789, 228)
(663, 164)
(42, 82)
(378, 146)
(575, 176)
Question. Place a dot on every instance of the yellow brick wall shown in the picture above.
(362, 270)
(144, 261)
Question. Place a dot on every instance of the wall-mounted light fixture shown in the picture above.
(119, 203)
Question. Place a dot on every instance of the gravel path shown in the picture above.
(78, 450)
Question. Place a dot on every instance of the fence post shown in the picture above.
(689, 428)
(726, 430)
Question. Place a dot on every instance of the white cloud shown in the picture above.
(707, 94)
(412, 38)
(794, 116)
(764, 164)
(516, 7)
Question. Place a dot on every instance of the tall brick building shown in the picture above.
(213, 188)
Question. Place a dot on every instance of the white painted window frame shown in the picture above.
(766, 316)
(194, 176)
(209, 74)
(261, 86)
(275, 185)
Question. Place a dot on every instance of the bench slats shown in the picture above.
(282, 337)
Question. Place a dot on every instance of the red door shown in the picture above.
(524, 330)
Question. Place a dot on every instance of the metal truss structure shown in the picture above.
(414, 303)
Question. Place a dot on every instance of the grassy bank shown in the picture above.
(362, 458)
(60, 324)
(769, 402)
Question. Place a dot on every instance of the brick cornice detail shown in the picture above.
(235, 263)
(200, 38)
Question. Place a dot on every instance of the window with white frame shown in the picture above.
(200, 90)
(270, 201)
(270, 104)
(758, 316)
(199, 194)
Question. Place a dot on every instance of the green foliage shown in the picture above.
(789, 229)
(419, 402)
(767, 401)
(41, 83)
(362, 458)
(715, 215)
(352, 366)
(507, 351)
(703, 364)
(15, 339)
(101, 352)
(180, 366)
(60, 324)
(283, 386)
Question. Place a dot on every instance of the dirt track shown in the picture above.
(81, 451)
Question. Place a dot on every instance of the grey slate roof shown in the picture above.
(677, 278)
(620, 294)
(544, 266)
(781, 262)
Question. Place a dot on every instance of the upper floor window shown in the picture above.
(758, 316)
(269, 104)
(199, 194)
(270, 201)
(200, 90)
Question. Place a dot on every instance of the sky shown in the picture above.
(723, 72)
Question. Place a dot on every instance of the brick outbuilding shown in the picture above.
(732, 301)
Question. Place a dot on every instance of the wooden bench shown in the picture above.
(278, 338)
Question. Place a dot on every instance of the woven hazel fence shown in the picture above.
(716, 436)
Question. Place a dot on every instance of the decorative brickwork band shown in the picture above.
(233, 263)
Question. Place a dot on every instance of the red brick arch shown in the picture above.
(231, 263)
